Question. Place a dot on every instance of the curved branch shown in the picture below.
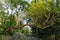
(44, 25)
(17, 27)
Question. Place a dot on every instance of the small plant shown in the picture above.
(27, 31)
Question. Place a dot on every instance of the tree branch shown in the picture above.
(17, 27)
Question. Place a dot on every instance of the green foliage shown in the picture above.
(7, 20)
(0, 37)
(42, 12)
(15, 3)
(27, 31)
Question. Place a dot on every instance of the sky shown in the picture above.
(29, 1)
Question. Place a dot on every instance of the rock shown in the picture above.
(33, 38)
(19, 36)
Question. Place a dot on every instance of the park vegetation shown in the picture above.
(38, 18)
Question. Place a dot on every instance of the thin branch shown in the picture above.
(17, 27)
(51, 18)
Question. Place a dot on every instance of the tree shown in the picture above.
(8, 19)
(44, 13)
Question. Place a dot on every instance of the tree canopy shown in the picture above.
(41, 14)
